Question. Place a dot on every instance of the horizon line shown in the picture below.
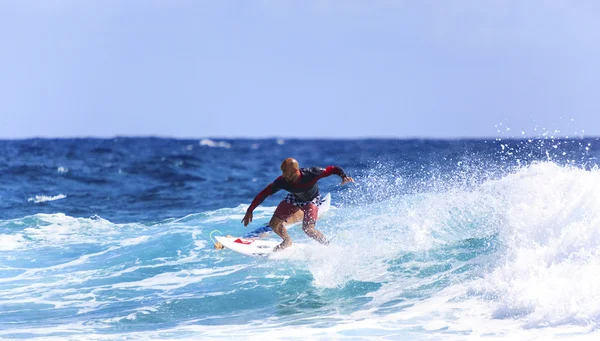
(399, 138)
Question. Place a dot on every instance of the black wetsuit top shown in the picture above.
(305, 188)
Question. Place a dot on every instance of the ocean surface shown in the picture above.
(108, 239)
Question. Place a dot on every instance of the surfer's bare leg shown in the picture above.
(282, 214)
(308, 224)
(315, 234)
(297, 217)
(277, 226)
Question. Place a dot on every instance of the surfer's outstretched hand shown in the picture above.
(346, 180)
(247, 218)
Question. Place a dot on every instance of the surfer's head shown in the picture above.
(290, 169)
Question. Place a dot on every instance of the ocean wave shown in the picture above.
(542, 220)
(547, 273)
(514, 256)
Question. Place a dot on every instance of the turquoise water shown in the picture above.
(109, 239)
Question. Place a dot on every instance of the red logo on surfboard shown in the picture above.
(244, 241)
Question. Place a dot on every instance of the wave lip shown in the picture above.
(548, 273)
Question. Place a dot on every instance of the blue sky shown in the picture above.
(444, 69)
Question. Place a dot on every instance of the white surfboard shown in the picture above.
(325, 204)
(264, 248)
(249, 247)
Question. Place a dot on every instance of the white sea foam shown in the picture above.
(11, 241)
(544, 274)
(172, 281)
(135, 241)
(60, 229)
(200, 244)
(550, 270)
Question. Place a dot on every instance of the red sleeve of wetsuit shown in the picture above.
(333, 170)
(270, 189)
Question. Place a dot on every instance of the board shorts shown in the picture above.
(290, 205)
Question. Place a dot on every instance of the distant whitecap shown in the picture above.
(44, 198)
(211, 143)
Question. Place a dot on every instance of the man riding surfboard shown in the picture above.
(304, 195)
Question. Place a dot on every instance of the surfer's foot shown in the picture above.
(323, 240)
(219, 246)
(283, 245)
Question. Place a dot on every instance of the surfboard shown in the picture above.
(249, 246)
(264, 248)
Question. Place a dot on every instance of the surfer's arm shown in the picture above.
(337, 170)
(270, 189)
(330, 170)
(261, 197)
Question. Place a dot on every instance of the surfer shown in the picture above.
(301, 183)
